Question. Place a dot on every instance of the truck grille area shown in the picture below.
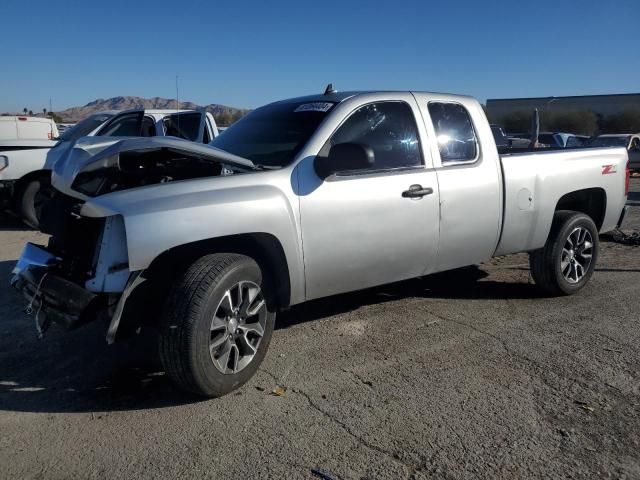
(74, 238)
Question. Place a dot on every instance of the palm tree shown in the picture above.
(44, 112)
(25, 110)
(31, 112)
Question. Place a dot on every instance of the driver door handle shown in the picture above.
(417, 191)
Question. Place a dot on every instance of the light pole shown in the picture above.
(547, 109)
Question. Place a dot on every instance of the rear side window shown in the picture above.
(183, 125)
(454, 132)
(389, 128)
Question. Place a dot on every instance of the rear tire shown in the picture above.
(566, 262)
(32, 197)
(217, 324)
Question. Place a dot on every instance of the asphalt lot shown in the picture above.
(456, 377)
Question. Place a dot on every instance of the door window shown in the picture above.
(454, 132)
(148, 127)
(389, 128)
(127, 125)
(183, 125)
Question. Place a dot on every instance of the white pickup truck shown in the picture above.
(302, 199)
(25, 165)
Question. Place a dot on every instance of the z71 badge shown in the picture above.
(606, 169)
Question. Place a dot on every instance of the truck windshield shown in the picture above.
(85, 127)
(271, 136)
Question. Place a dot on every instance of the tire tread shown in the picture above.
(542, 261)
(182, 308)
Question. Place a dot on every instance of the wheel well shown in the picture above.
(590, 201)
(33, 175)
(22, 181)
(264, 248)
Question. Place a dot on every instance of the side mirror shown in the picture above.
(345, 157)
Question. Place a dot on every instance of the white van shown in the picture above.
(23, 127)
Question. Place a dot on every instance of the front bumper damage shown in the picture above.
(50, 296)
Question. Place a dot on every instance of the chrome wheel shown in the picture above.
(576, 255)
(237, 327)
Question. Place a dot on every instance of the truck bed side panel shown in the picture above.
(534, 182)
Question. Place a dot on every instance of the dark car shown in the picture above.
(627, 140)
(500, 137)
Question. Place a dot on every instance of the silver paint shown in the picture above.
(351, 232)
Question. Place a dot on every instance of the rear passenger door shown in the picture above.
(469, 178)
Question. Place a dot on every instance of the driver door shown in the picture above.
(361, 229)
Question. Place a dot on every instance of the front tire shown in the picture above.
(32, 197)
(567, 261)
(217, 324)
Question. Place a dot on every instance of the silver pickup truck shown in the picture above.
(302, 199)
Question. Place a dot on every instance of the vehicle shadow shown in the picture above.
(463, 283)
(78, 372)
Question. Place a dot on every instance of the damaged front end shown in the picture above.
(50, 297)
(82, 271)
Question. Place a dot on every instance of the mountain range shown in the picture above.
(75, 114)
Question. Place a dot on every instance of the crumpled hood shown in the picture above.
(93, 153)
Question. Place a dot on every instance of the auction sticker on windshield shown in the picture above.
(314, 107)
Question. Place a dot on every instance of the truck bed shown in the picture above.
(535, 181)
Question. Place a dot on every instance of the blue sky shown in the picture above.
(246, 54)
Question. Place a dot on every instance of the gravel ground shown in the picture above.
(469, 376)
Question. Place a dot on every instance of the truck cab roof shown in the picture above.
(338, 97)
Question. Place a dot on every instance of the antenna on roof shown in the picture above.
(330, 90)
(177, 96)
(177, 105)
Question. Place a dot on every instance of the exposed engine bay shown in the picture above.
(98, 165)
(149, 167)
